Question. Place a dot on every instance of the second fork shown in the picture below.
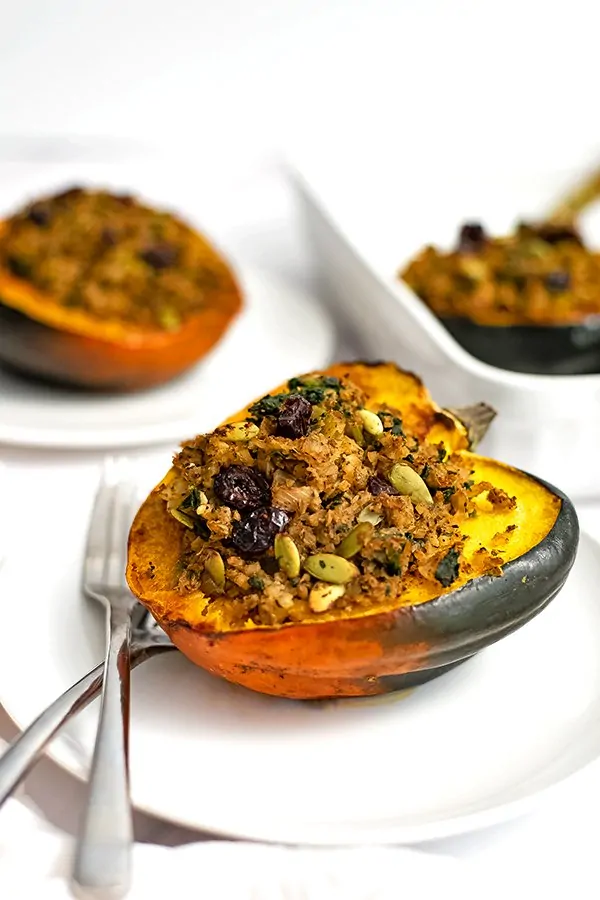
(102, 866)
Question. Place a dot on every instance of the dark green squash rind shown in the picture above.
(458, 624)
(38, 351)
(535, 350)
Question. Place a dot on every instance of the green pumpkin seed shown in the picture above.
(475, 269)
(182, 517)
(368, 514)
(323, 596)
(371, 422)
(355, 431)
(355, 540)
(241, 431)
(286, 554)
(215, 569)
(331, 568)
(169, 318)
(408, 482)
(202, 503)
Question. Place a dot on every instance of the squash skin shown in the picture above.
(56, 344)
(533, 349)
(373, 653)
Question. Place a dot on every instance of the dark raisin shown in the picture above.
(379, 485)
(242, 487)
(556, 282)
(558, 234)
(255, 533)
(447, 570)
(160, 256)
(39, 214)
(109, 236)
(125, 199)
(19, 267)
(472, 238)
(293, 420)
(69, 194)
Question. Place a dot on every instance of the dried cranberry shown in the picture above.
(379, 485)
(160, 256)
(242, 487)
(472, 238)
(19, 267)
(125, 199)
(255, 533)
(69, 194)
(557, 281)
(109, 236)
(39, 214)
(294, 416)
(557, 234)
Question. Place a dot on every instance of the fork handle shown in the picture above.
(24, 751)
(102, 867)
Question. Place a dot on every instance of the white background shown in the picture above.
(231, 85)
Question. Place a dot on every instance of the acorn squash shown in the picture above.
(100, 292)
(354, 620)
(526, 302)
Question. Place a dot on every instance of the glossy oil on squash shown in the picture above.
(387, 647)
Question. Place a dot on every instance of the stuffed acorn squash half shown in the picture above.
(339, 537)
(102, 292)
(527, 302)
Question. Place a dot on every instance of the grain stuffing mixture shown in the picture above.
(539, 275)
(111, 257)
(316, 503)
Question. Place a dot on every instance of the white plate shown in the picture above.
(282, 332)
(472, 748)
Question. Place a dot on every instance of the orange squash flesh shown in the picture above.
(376, 650)
(44, 339)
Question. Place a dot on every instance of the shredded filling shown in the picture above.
(112, 257)
(318, 503)
(539, 275)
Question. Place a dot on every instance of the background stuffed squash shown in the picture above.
(102, 292)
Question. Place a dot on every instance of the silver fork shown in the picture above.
(17, 760)
(102, 865)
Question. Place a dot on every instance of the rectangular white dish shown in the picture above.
(365, 222)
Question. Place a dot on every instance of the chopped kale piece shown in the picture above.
(447, 570)
(267, 406)
(334, 500)
(192, 501)
(201, 529)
